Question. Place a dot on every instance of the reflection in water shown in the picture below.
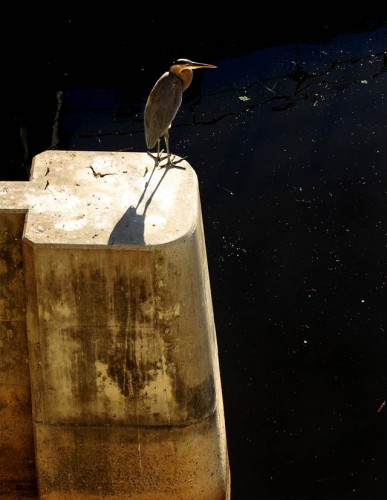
(280, 76)
(317, 86)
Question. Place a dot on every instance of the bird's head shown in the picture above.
(185, 64)
(182, 68)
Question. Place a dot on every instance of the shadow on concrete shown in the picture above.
(130, 228)
(166, 170)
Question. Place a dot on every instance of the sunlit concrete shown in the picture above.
(126, 394)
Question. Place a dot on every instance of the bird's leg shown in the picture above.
(170, 162)
(158, 151)
(166, 139)
(158, 157)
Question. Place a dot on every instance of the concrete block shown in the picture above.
(124, 367)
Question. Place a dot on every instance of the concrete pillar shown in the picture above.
(126, 390)
(17, 469)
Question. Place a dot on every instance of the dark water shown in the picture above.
(289, 145)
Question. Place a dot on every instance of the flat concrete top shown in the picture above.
(104, 198)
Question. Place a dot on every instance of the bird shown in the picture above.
(164, 102)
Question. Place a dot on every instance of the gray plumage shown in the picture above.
(164, 102)
(162, 105)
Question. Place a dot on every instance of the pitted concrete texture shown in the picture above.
(141, 463)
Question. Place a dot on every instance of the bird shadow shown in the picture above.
(129, 230)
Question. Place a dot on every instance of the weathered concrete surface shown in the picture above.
(145, 462)
(124, 369)
(17, 467)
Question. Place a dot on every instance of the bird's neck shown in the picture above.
(185, 75)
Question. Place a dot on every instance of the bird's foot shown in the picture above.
(171, 163)
(157, 158)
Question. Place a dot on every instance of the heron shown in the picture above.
(164, 102)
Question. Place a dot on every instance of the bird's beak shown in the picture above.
(196, 65)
